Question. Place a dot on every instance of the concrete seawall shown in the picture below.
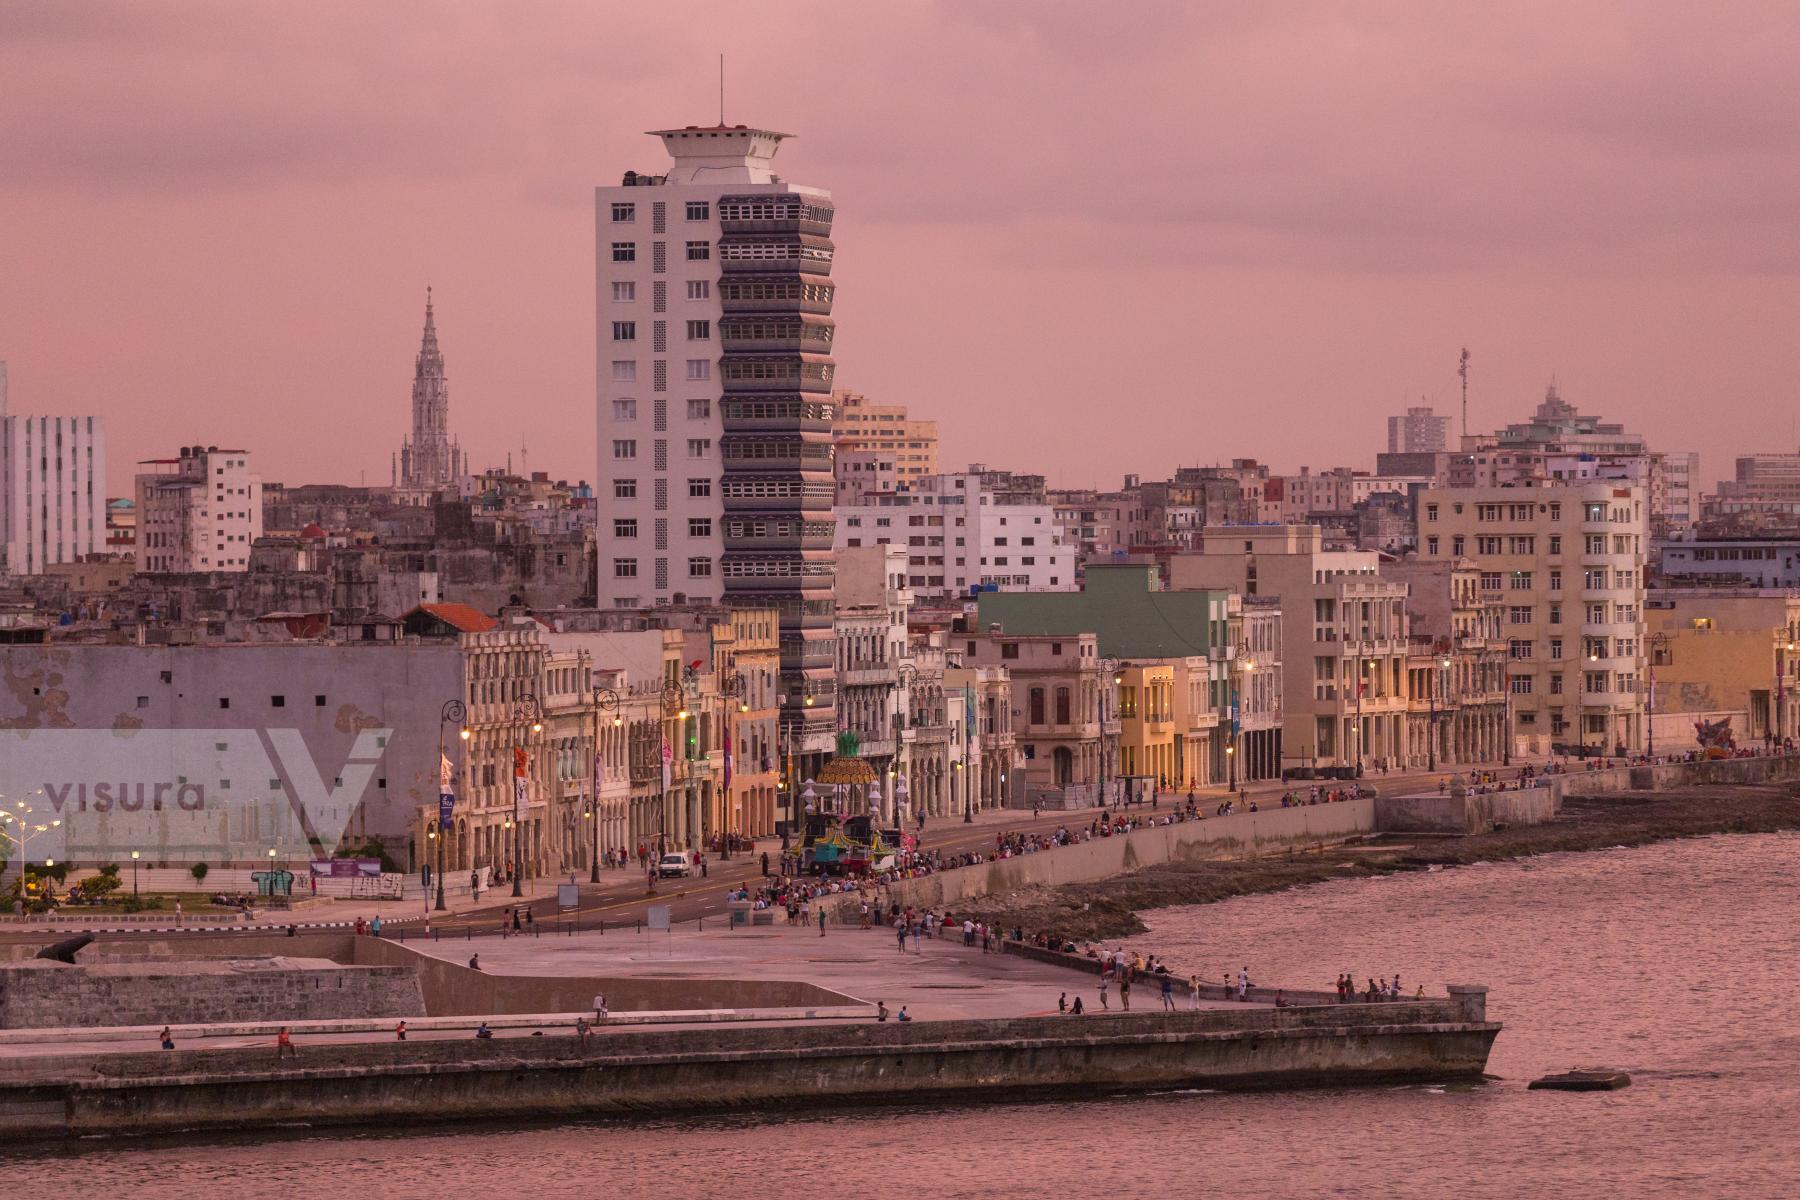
(715, 1069)
(1240, 835)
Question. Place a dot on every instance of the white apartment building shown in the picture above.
(961, 534)
(199, 511)
(1567, 561)
(714, 405)
(52, 489)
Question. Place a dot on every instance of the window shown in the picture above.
(1556, 581)
(624, 489)
(699, 447)
(624, 293)
(1520, 685)
(698, 210)
(1518, 648)
(699, 251)
(624, 251)
(700, 527)
(1431, 512)
(699, 368)
(1431, 544)
(1593, 681)
(1009, 649)
(624, 568)
(624, 448)
(277, 701)
(624, 212)
(624, 370)
(624, 410)
(624, 331)
(1456, 545)
(699, 410)
(700, 568)
(1519, 581)
(1555, 648)
(1063, 714)
(1037, 706)
(699, 487)
(224, 701)
(699, 331)
(1519, 615)
(625, 527)
(1556, 614)
(699, 289)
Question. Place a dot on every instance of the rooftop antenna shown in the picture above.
(721, 89)
(1462, 369)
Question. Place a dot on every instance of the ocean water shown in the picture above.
(1677, 962)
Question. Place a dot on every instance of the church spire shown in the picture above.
(429, 458)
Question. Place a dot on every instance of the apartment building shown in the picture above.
(1722, 654)
(1345, 640)
(976, 529)
(1419, 430)
(858, 424)
(1567, 561)
(199, 511)
(52, 489)
(714, 406)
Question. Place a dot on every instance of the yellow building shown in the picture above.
(1718, 653)
(885, 429)
(1147, 721)
(748, 661)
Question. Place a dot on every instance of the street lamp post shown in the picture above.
(605, 700)
(453, 710)
(732, 687)
(22, 831)
(134, 874)
(527, 708)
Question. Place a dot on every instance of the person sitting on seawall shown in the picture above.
(483, 1033)
(903, 1016)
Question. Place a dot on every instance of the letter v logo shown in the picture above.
(325, 811)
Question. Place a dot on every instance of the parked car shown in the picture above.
(675, 864)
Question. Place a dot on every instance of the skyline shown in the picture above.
(189, 233)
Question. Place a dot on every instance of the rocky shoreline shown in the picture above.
(1109, 908)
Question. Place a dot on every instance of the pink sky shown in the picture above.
(1087, 238)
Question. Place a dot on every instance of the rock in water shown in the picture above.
(1583, 1081)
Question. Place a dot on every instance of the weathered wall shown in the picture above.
(43, 995)
(1445, 814)
(1240, 835)
(748, 1068)
(1781, 768)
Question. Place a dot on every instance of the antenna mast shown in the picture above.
(1462, 369)
(721, 89)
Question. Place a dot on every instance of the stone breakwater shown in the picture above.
(722, 1069)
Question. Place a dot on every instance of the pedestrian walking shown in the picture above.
(822, 922)
(400, 1032)
(915, 936)
(515, 920)
(1075, 1009)
(1243, 983)
(1125, 992)
(530, 921)
(1062, 1003)
(1194, 992)
(1168, 994)
(900, 933)
(1104, 1006)
(765, 864)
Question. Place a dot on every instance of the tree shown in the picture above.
(198, 871)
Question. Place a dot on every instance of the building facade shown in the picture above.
(52, 489)
(885, 429)
(198, 512)
(1419, 430)
(714, 406)
(1567, 562)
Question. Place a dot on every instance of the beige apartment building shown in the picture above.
(1343, 663)
(885, 429)
(1567, 563)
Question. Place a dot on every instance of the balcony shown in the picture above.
(775, 413)
(809, 254)
(784, 292)
(869, 675)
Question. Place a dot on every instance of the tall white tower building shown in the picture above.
(715, 377)
(52, 488)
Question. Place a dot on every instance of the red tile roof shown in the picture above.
(461, 617)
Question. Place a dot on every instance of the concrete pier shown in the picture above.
(731, 1068)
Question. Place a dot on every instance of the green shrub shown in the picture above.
(198, 871)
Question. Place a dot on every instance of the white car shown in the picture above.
(676, 863)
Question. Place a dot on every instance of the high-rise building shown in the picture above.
(1419, 430)
(714, 406)
(198, 512)
(430, 458)
(858, 424)
(52, 488)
